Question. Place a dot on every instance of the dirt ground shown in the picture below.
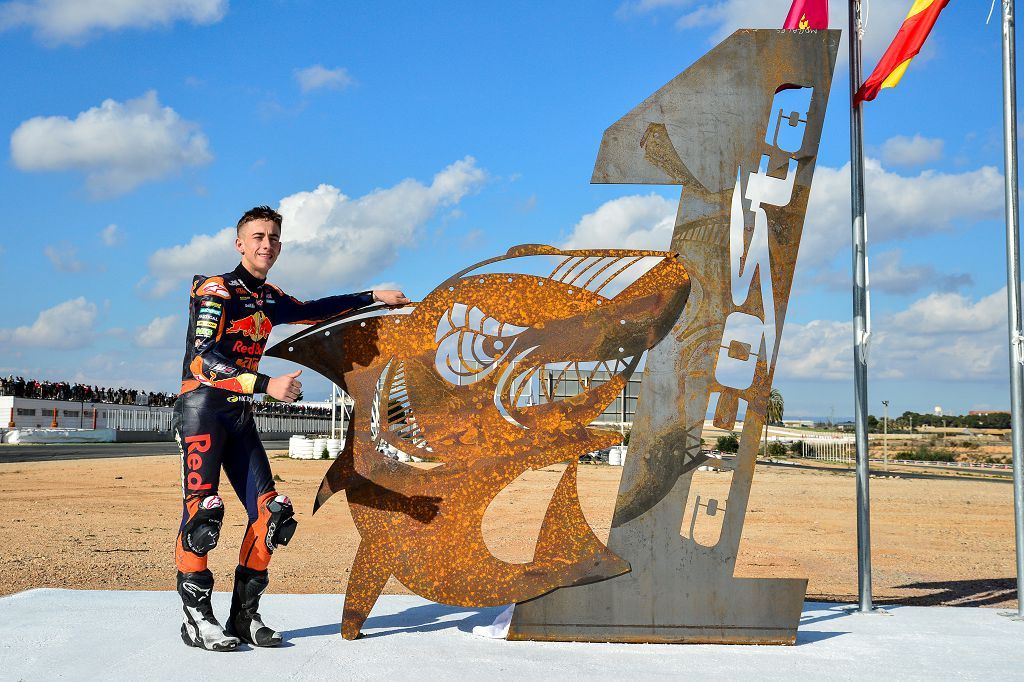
(110, 524)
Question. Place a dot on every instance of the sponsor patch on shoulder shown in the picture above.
(206, 323)
(203, 331)
(213, 288)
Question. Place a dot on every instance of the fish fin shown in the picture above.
(370, 572)
(566, 533)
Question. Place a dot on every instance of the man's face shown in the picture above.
(259, 242)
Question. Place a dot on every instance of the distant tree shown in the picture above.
(728, 443)
(776, 449)
(773, 412)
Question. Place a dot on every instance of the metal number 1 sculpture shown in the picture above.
(739, 130)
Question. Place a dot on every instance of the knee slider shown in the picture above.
(202, 531)
(281, 523)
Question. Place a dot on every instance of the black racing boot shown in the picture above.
(244, 621)
(201, 628)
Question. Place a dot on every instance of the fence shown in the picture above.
(293, 423)
(139, 420)
(160, 420)
(830, 450)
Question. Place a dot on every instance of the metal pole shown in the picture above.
(861, 320)
(885, 435)
(1013, 294)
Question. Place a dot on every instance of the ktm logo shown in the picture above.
(256, 326)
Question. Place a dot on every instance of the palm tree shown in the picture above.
(772, 413)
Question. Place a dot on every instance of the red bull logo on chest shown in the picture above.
(256, 326)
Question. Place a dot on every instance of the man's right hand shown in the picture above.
(286, 387)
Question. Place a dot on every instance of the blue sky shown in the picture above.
(405, 141)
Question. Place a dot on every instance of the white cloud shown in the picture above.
(317, 77)
(117, 145)
(911, 151)
(74, 21)
(890, 274)
(64, 326)
(953, 313)
(64, 258)
(161, 332)
(632, 222)
(898, 206)
(329, 240)
(943, 336)
(111, 235)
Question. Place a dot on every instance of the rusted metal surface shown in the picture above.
(739, 130)
(444, 380)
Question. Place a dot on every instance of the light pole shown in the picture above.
(885, 435)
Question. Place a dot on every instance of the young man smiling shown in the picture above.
(231, 316)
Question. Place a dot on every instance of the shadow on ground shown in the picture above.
(981, 592)
(421, 618)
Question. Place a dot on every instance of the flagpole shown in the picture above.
(1013, 294)
(861, 314)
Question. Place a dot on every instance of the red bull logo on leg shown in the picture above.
(256, 326)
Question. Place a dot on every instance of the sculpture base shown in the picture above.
(758, 611)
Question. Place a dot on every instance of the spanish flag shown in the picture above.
(904, 47)
(807, 14)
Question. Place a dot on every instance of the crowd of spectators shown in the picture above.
(291, 409)
(20, 387)
(62, 390)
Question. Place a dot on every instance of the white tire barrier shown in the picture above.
(334, 447)
(300, 447)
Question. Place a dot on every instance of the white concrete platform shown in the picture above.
(49, 634)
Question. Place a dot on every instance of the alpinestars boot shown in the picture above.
(201, 628)
(245, 621)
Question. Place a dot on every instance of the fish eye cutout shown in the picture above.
(470, 344)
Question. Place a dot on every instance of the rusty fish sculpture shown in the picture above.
(448, 379)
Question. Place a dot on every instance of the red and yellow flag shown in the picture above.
(904, 48)
(807, 14)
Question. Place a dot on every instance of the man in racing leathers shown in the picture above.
(230, 318)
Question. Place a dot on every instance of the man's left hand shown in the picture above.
(390, 297)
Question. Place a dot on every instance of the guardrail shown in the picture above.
(146, 420)
(950, 465)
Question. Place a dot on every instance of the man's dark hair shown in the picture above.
(259, 213)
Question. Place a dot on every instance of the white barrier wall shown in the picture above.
(28, 413)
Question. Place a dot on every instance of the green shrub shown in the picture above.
(925, 453)
(728, 443)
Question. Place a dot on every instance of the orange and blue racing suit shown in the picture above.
(230, 318)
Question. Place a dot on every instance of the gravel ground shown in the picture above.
(110, 524)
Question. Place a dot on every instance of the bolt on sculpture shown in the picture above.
(445, 379)
(739, 130)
